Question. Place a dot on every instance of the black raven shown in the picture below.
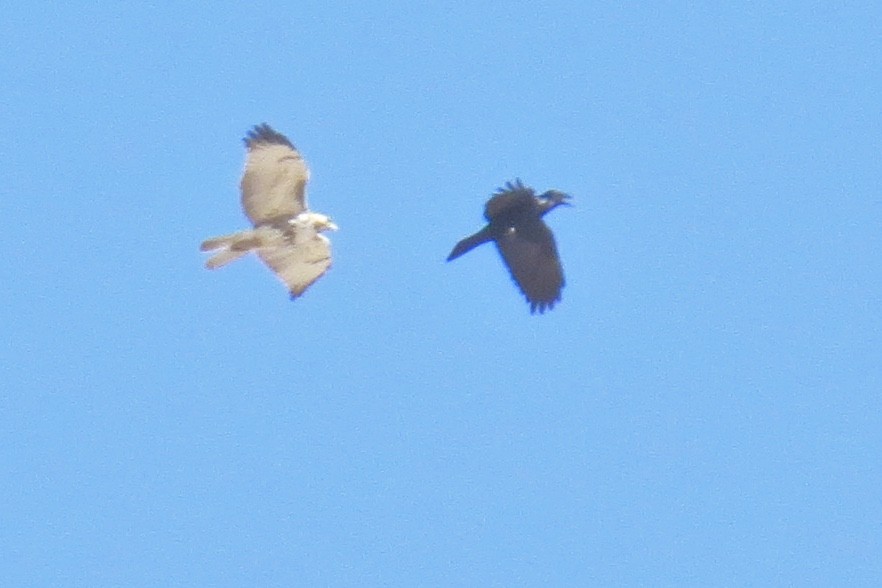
(514, 222)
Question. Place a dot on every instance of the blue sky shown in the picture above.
(702, 408)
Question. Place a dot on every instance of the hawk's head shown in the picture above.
(319, 222)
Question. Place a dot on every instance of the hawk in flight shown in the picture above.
(286, 235)
(526, 244)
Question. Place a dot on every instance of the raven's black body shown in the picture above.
(514, 222)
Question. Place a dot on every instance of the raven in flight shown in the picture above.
(514, 222)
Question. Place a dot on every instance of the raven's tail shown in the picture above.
(470, 243)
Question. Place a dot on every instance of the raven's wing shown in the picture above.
(298, 265)
(512, 199)
(530, 253)
(274, 182)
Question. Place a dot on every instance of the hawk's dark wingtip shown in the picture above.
(263, 134)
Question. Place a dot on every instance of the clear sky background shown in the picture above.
(702, 408)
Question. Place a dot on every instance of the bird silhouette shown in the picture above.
(514, 222)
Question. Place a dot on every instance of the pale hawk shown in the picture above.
(286, 235)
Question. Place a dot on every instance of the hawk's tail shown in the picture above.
(232, 248)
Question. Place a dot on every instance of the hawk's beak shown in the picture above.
(331, 226)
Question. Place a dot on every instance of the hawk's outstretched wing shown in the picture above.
(297, 266)
(274, 182)
(530, 254)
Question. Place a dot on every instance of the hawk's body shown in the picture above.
(286, 235)
(526, 244)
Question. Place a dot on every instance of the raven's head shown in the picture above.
(552, 199)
